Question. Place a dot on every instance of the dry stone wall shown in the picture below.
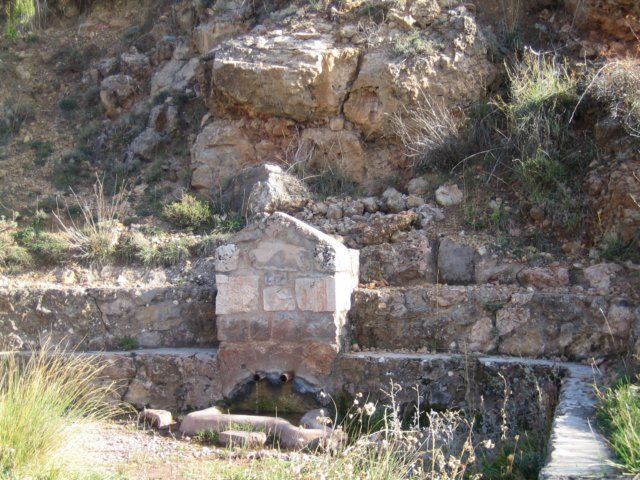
(284, 290)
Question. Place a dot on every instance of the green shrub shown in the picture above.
(619, 415)
(68, 104)
(42, 150)
(189, 212)
(44, 247)
(128, 343)
(70, 169)
(13, 115)
(415, 45)
(44, 395)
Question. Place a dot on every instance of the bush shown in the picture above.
(42, 150)
(13, 114)
(44, 247)
(95, 240)
(617, 84)
(189, 212)
(68, 104)
(43, 396)
(430, 133)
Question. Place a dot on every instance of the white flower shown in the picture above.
(369, 408)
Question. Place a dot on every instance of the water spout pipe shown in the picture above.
(286, 377)
(257, 376)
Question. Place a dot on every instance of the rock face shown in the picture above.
(297, 75)
(390, 81)
(106, 318)
(220, 150)
(284, 290)
(264, 188)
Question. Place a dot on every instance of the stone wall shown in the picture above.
(494, 319)
(107, 318)
(284, 290)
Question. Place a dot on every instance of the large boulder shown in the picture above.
(296, 75)
(219, 151)
(446, 61)
(265, 188)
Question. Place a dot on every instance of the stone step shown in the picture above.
(495, 319)
(108, 318)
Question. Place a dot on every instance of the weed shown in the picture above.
(188, 212)
(229, 222)
(43, 397)
(44, 247)
(128, 343)
(415, 45)
(209, 437)
(430, 133)
(617, 84)
(42, 150)
(612, 248)
(13, 115)
(67, 104)
(70, 169)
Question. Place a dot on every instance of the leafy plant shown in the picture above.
(128, 343)
(44, 247)
(68, 104)
(208, 437)
(42, 150)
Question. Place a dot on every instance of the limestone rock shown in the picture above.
(116, 92)
(164, 118)
(174, 75)
(146, 144)
(339, 152)
(265, 188)
(219, 151)
(544, 278)
(135, 63)
(449, 195)
(381, 229)
(393, 201)
(403, 263)
(455, 262)
(295, 75)
(418, 186)
(231, 17)
(600, 276)
(387, 83)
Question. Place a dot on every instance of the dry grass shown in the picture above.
(94, 239)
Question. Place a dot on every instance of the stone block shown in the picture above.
(278, 255)
(226, 258)
(278, 298)
(232, 329)
(316, 294)
(455, 262)
(294, 326)
(237, 294)
(276, 278)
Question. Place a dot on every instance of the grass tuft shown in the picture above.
(43, 396)
(620, 417)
